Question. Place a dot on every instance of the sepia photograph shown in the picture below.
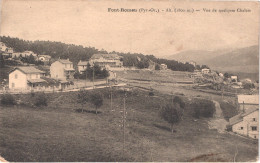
(129, 81)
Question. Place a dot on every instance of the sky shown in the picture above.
(88, 23)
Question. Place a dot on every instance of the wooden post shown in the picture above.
(124, 126)
(93, 77)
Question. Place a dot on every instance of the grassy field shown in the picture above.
(59, 132)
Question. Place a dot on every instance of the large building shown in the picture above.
(246, 123)
(25, 77)
(62, 69)
(104, 60)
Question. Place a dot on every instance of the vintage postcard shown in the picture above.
(129, 81)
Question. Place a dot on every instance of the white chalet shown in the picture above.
(112, 60)
(25, 77)
(246, 123)
(62, 69)
(205, 71)
(44, 58)
(82, 66)
(24, 54)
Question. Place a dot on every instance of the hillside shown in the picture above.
(199, 56)
(237, 60)
(77, 52)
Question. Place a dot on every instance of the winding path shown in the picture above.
(218, 122)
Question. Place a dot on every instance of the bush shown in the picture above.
(203, 108)
(96, 99)
(179, 101)
(248, 85)
(7, 99)
(171, 113)
(40, 99)
(151, 93)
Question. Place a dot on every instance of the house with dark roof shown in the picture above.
(25, 77)
(246, 123)
(62, 69)
(106, 60)
(82, 66)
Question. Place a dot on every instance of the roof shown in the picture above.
(64, 61)
(107, 56)
(69, 69)
(45, 56)
(248, 99)
(36, 81)
(28, 70)
(83, 63)
(239, 117)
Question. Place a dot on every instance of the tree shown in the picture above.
(96, 99)
(179, 101)
(2, 61)
(82, 98)
(172, 114)
(157, 67)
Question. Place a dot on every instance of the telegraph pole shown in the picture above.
(111, 97)
(124, 117)
(93, 76)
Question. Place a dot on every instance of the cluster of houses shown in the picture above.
(8, 53)
(246, 123)
(61, 72)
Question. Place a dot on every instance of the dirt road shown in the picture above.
(218, 122)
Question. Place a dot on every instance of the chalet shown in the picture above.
(246, 123)
(82, 66)
(112, 60)
(44, 58)
(205, 71)
(24, 54)
(233, 78)
(163, 67)
(25, 77)
(246, 102)
(62, 69)
(192, 63)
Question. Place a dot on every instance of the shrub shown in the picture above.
(7, 99)
(179, 101)
(171, 113)
(248, 85)
(151, 93)
(40, 99)
(203, 108)
(96, 99)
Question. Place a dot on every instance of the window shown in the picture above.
(15, 76)
(254, 128)
(241, 128)
(254, 119)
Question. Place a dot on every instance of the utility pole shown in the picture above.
(86, 78)
(93, 76)
(111, 97)
(124, 114)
